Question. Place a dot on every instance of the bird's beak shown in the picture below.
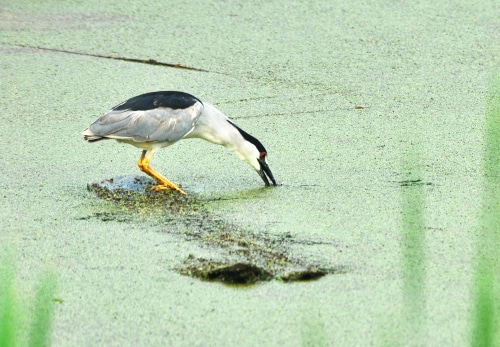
(265, 172)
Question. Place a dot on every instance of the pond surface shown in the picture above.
(364, 109)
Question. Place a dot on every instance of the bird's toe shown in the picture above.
(161, 187)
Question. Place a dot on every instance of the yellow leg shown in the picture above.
(163, 182)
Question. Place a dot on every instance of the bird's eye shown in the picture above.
(262, 155)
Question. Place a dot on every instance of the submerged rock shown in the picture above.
(137, 184)
(134, 192)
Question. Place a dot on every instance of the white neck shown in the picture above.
(214, 126)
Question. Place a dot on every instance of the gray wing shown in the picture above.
(161, 124)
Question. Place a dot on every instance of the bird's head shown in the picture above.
(264, 171)
(254, 153)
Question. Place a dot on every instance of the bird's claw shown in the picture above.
(161, 187)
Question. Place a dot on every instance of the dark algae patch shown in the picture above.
(237, 273)
(241, 256)
(248, 258)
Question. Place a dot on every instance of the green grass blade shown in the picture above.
(413, 239)
(43, 311)
(8, 316)
(312, 330)
(486, 317)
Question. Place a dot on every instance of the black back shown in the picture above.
(149, 101)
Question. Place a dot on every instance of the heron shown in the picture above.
(159, 119)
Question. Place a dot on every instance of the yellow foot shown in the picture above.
(167, 187)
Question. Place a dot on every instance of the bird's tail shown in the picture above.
(91, 137)
(94, 138)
